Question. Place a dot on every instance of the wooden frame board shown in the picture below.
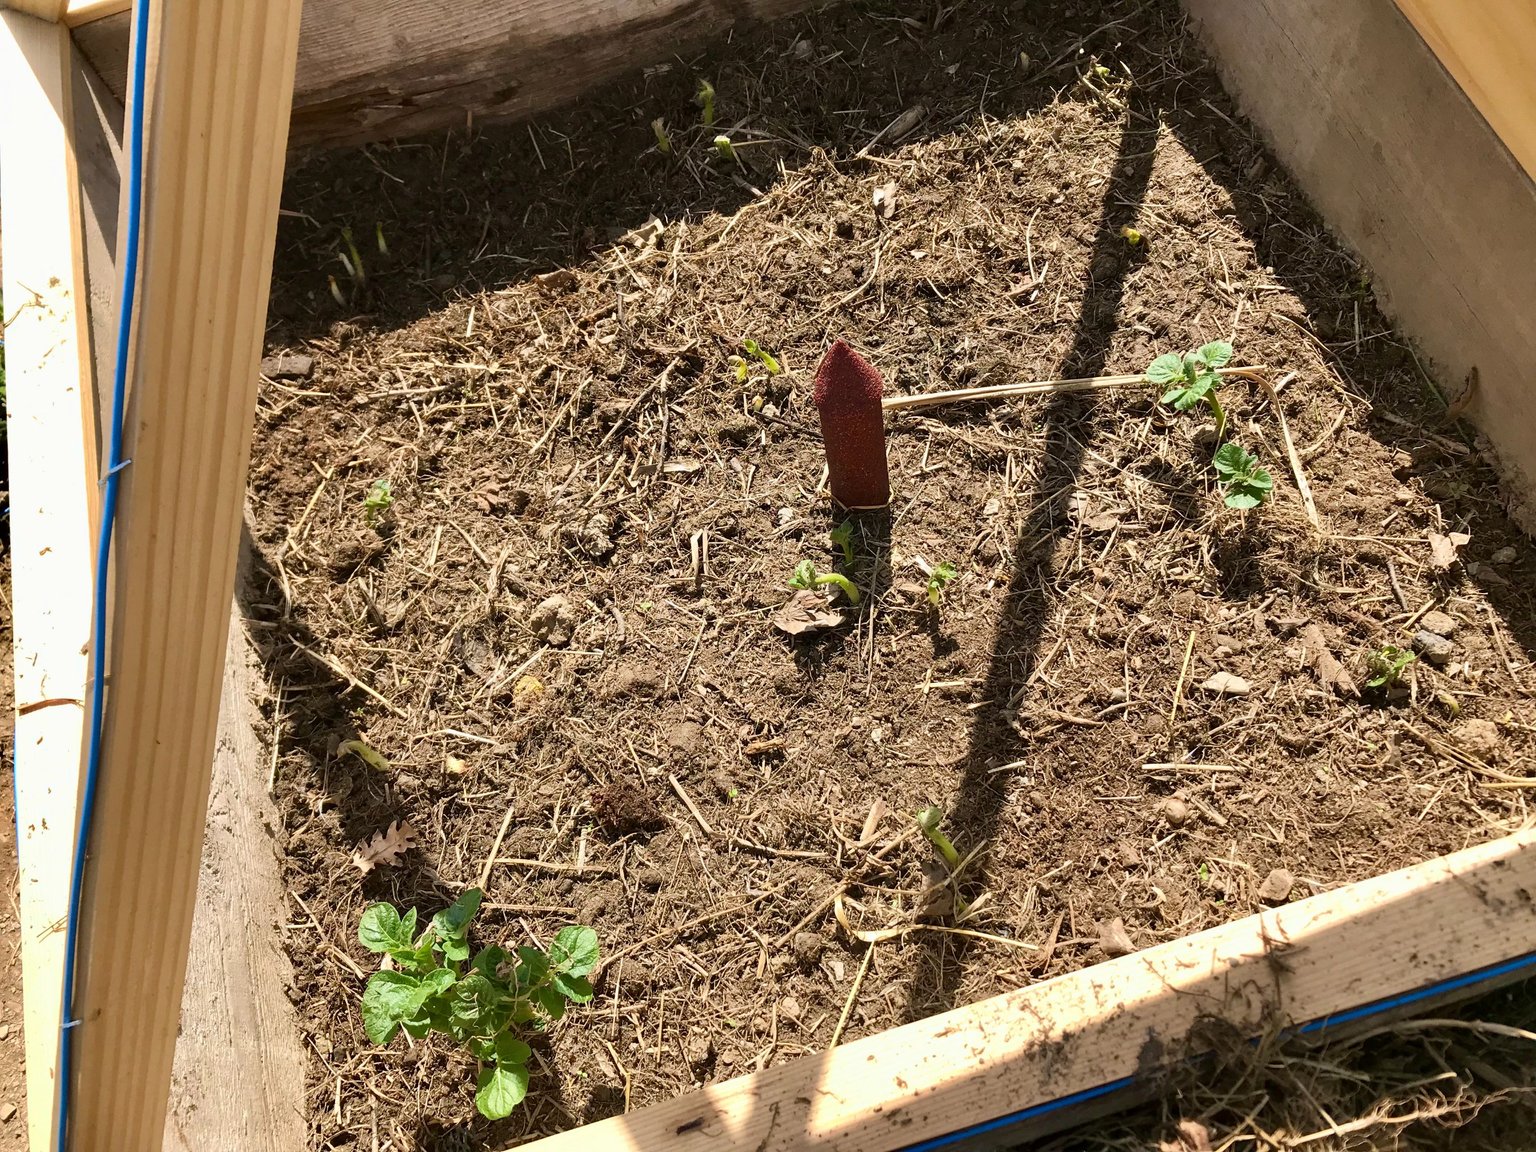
(51, 441)
(1032, 1062)
(220, 84)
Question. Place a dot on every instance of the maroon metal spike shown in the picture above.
(848, 391)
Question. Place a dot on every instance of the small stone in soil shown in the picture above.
(1226, 684)
(1478, 738)
(807, 948)
(1440, 624)
(1175, 811)
(287, 367)
(553, 621)
(1435, 649)
(1277, 886)
(700, 1050)
(1504, 556)
(7, 1111)
(1114, 939)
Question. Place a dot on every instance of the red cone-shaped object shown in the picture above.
(848, 391)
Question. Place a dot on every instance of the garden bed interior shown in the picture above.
(539, 368)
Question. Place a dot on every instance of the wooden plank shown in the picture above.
(238, 1079)
(49, 10)
(77, 12)
(52, 493)
(1408, 174)
(1005, 1064)
(374, 69)
(220, 81)
(1489, 46)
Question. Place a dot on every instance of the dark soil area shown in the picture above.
(558, 625)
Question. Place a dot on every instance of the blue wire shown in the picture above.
(115, 464)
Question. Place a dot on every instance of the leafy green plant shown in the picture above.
(1238, 472)
(806, 577)
(1386, 665)
(938, 580)
(663, 141)
(842, 537)
(428, 988)
(1192, 378)
(378, 501)
(705, 99)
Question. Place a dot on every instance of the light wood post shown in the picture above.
(51, 443)
(220, 89)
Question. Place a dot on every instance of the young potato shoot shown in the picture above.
(939, 580)
(756, 351)
(705, 99)
(1387, 665)
(928, 820)
(725, 148)
(663, 141)
(1246, 484)
(806, 577)
(842, 537)
(1192, 378)
(377, 502)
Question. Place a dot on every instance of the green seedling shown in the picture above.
(724, 146)
(754, 350)
(938, 580)
(1246, 484)
(378, 500)
(842, 537)
(1386, 666)
(379, 241)
(1132, 236)
(928, 821)
(705, 99)
(663, 141)
(806, 577)
(428, 988)
(1193, 378)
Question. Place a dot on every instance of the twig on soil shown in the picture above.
(1178, 691)
(853, 995)
(1033, 388)
(337, 667)
(490, 860)
(324, 939)
(1297, 474)
(685, 926)
(677, 786)
(556, 867)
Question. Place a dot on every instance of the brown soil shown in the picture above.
(648, 755)
(13, 1064)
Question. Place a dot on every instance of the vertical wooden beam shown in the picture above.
(50, 10)
(220, 84)
(49, 403)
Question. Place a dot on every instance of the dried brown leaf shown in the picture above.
(807, 611)
(386, 847)
(1329, 670)
(1443, 549)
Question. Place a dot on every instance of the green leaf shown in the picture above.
(1243, 499)
(1166, 369)
(1191, 394)
(382, 930)
(576, 989)
(574, 951)
(804, 576)
(1172, 395)
(510, 1050)
(1216, 353)
(1232, 461)
(489, 961)
(452, 923)
(550, 1000)
(389, 999)
(500, 1090)
(1261, 480)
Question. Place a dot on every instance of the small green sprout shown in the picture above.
(705, 99)
(842, 537)
(1193, 378)
(354, 266)
(378, 239)
(1387, 664)
(377, 502)
(1238, 472)
(663, 141)
(928, 821)
(724, 146)
(938, 580)
(753, 349)
(427, 988)
(1132, 236)
(806, 577)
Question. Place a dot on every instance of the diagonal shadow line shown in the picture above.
(977, 809)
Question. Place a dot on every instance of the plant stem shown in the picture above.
(1219, 413)
(849, 589)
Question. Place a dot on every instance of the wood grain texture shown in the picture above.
(374, 69)
(238, 1080)
(1409, 175)
(1489, 46)
(964, 1070)
(98, 122)
(220, 83)
(49, 10)
(52, 487)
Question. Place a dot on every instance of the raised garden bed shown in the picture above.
(542, 376)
